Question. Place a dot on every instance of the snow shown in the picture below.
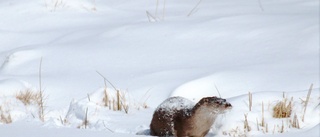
(266, 47)
(175, 103)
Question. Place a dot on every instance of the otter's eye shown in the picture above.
(219, 102)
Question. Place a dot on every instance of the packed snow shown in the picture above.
(88, 54)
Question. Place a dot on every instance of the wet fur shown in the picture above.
(194, 122)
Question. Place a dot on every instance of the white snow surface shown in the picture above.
(223, 48)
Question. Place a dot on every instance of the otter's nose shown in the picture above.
(228, 105)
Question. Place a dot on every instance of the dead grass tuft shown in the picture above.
(106, 99)
(246, 124)
(262, 117)
(295, 122)
(28, 97)
(85, 122)
(118, 104)
(5, 116)
(283, 109)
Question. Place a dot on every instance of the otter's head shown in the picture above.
(219, 105)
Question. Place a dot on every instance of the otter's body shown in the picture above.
(178, 116)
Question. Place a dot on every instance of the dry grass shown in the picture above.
(250, 100)
(55, 4)
(283, 112)
(122, 101)
(283, 109)
(106, 99)
(117, 100)
(156, 17)
(144, 99)
(28, 97)
(85, 121)
(151, 18)
(118, 103)
(119, 106)
(5, 116)
(194, 8)
(295, 122)
(267, 128)
(262, 117)
(282, 128)
(306, 102)
(246, 124)
(63, 121)
(235, 132)
(257, 124)
(40, 99)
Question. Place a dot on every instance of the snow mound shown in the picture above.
(18, 58)
(101, 116)
(232, 122)
(230, 83)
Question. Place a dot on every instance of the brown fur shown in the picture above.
(185, 121)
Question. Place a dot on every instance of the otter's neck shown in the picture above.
(204, 116)
(205, 112)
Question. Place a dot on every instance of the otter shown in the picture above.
(179, 117)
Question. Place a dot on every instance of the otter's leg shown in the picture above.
(178, 131)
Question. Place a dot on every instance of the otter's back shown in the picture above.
(162, 123)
